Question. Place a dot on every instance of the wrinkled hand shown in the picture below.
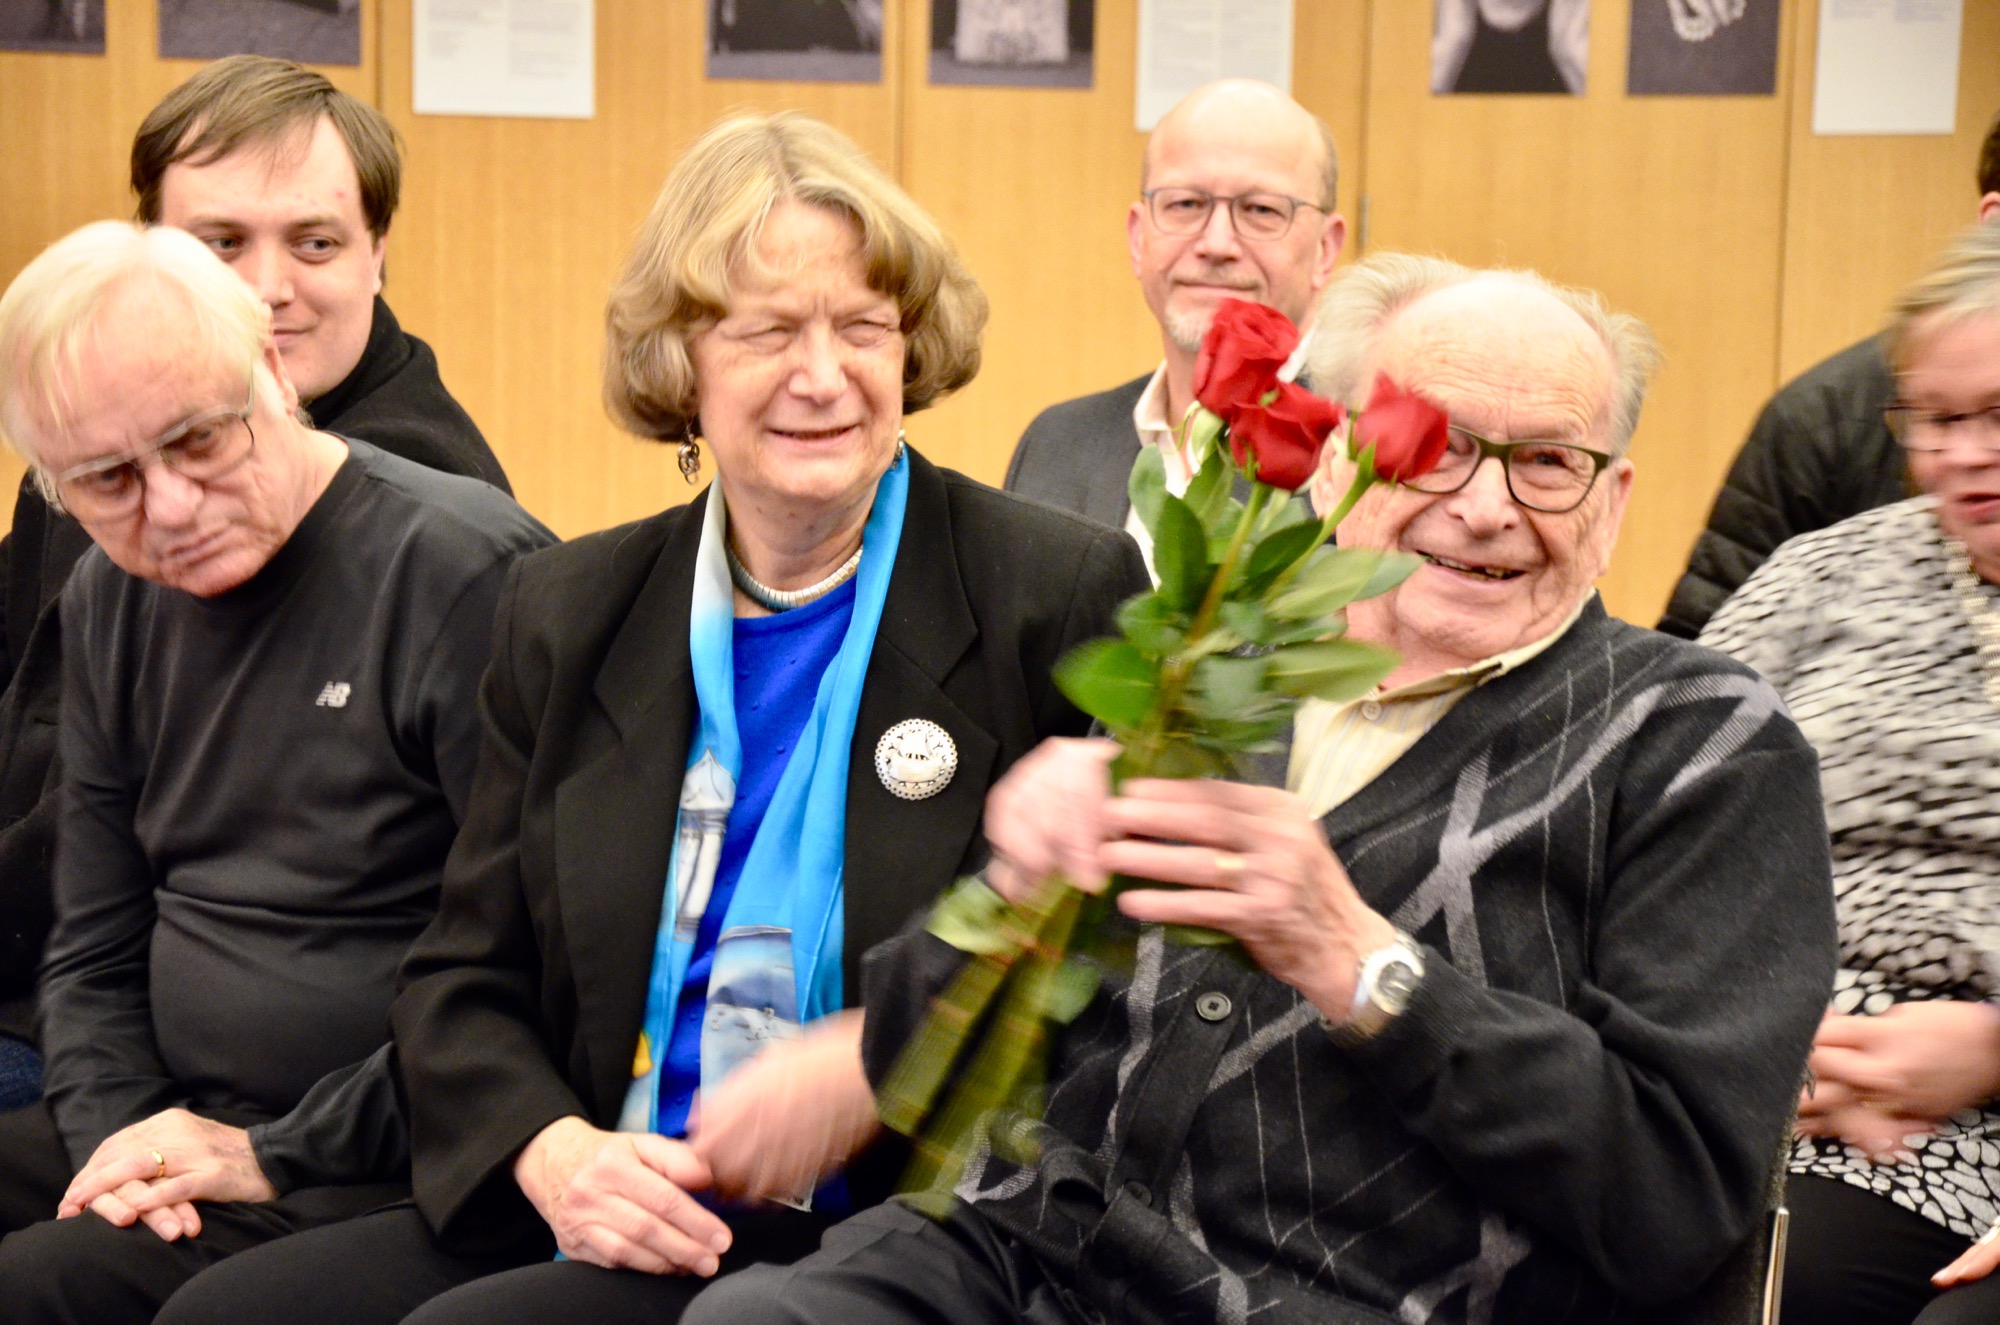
(1978, 1261)
(1921, 1061)
(622, 1200)
(1256, 866)
(1833, 1112)
(790, 1117)
(1046, 817)
(204, 1160)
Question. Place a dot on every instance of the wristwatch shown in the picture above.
(1382, 989)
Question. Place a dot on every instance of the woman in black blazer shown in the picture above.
(785, 304)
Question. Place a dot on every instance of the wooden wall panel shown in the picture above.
(512, 231)
(1672, 207)
(1866, 214)
(66, 125)
(1032, 186)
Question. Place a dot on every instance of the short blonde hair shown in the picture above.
(1362, 299)
(55, 308)
(1963, 283)
(703, 230)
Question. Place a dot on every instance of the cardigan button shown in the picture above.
(1139, 1192)
(1212, 1006)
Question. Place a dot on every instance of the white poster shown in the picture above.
(504, 57)
(1185, 43)
(1887, 66)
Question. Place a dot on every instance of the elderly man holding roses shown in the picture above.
(1530, 940)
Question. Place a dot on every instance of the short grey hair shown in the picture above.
(1362, 300)
(55, 309)
(1963, 283)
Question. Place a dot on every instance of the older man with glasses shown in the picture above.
(1532, 940)
(268, 735)
(1236, 202)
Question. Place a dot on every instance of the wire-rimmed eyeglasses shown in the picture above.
(204, 449)
(1180, 211)
(1928, 430)
(1550, 477)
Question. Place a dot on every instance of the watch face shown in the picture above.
(1394, 985)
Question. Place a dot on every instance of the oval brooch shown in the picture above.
(915, 759)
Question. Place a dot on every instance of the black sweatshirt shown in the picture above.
(259, 792)
(393, 399)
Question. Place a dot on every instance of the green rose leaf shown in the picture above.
(1246, 619)
(1208, 492)
(1148, 485)
(1180, 554)
(968, 917)
(1194, 936)
(1179, 757)
(1395, 568)
(1228, 686)
(1069, 990)
(1111, 680)
(1337, 670)
(1327, 583)
(1150, 622)
(1278, 551)
(1203, 428)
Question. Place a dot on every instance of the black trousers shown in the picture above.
(893, 1266)
(388, 1267)
(34, 1167)
(1854, 1258)
(87, 1271)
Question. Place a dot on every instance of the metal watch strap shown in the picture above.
(1374, 1007)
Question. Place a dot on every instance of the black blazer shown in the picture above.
(524, 999)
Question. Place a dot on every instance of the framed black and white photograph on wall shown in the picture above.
(1510, 46)
(1013, 43)
(801, 41)
(1703, 48)
(309, 31)
(68, 27)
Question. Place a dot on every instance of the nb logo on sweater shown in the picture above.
(334, 696)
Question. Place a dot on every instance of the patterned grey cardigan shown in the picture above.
(1616, 859)
(1860, 628)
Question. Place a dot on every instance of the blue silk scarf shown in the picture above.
(778, 955)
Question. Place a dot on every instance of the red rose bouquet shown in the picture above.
(1247, 621)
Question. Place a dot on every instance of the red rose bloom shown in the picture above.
(1409, 433)
(1240, 357)
(1284, 436)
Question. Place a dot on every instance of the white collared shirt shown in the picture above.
(1149, 418)
(1337, 749)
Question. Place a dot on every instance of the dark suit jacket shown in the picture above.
(1078, 455)
(524, 999)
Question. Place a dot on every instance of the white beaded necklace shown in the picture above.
(1973, 597)
(783, 600)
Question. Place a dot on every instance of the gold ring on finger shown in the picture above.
(1229, 865)
(160, 1161)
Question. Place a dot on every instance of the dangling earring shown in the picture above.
(902, 445)
(690, 458)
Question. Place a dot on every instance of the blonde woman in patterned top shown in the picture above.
(1883, 635)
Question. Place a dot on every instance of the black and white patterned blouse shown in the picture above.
(1861, 628)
